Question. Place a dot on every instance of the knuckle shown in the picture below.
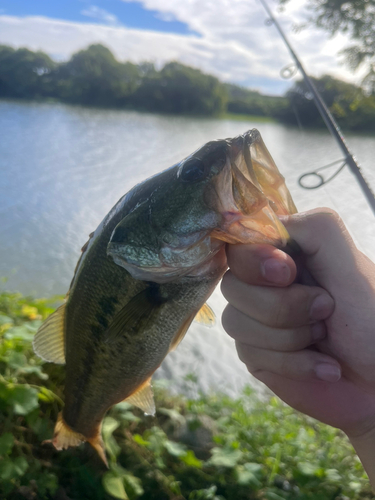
(297, 339)
(286, 310)
(328, 219)
(227, 319)
(245, 355)
(225, 284)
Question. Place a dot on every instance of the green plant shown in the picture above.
(211, 447)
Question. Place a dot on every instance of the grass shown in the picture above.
(209, 448)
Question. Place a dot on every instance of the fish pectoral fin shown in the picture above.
(181, 333)
(135, 315)
(205, 316)
(143, 398)
(49, 341)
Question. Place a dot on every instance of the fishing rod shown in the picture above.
(328, 120)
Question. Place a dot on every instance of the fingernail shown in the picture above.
(318, 331)
(321, 308)
(275, 271)
(327, 372)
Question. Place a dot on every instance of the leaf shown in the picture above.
(172, 414)
(249, 474)
(224, 457)
(48, 396)
(20, 465)
(20, 333)
(271, 495)
(109, 426)
(191, 460)
(307, 468)
(23, 398)
(114, 485)
(333, 475)
(123, 406)
(204, 494)
(175, 449)
(6, 444)
(6, 469)
(139, 440)
(16, 360)
(5, 320)
(134, 484)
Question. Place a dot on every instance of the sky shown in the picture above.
(226, 38)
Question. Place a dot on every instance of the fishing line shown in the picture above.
(328, 120)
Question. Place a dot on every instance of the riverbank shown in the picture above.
(197, 448)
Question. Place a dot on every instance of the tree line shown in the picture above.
(93, 77)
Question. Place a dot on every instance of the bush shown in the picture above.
(209, 448)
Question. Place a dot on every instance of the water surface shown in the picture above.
(63, 168)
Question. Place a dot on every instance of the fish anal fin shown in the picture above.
(143, 398)
(49, 342)
(205, 316)
(64, 436)
(135, 315)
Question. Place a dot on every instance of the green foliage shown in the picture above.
(25, 74)
(249, 102)
(93, 77)
(349, 105)
(181, 89)
(355, 18)
(209, 448)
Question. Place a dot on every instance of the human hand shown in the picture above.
(314, 346)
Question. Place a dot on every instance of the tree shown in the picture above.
(94, 77)
(351, 108)
(25, 74)
(354, 17)
(181, 89)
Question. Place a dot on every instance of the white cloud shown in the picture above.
(101, 15)
(233, 41)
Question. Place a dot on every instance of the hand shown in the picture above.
(313, 345)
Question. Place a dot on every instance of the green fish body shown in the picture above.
(147, 271)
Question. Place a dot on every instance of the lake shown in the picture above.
(63, 168)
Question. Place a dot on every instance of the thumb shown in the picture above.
(329, 251)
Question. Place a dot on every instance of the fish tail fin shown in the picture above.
(98, 445)
(64, 436)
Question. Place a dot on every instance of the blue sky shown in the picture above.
(130, 14)
(226, 38)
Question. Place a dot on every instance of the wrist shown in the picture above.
(364, 445)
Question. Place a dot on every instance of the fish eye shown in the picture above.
(193, 170)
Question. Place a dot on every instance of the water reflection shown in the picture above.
(63, 168)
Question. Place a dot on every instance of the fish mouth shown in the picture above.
(243, 201)
(250, 193)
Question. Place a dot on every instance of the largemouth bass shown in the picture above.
(147, 271)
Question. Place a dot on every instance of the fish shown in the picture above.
(147, 271)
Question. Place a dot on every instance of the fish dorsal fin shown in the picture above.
(136, 314)
(143, 398)
(49, 342)
(205, 316)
